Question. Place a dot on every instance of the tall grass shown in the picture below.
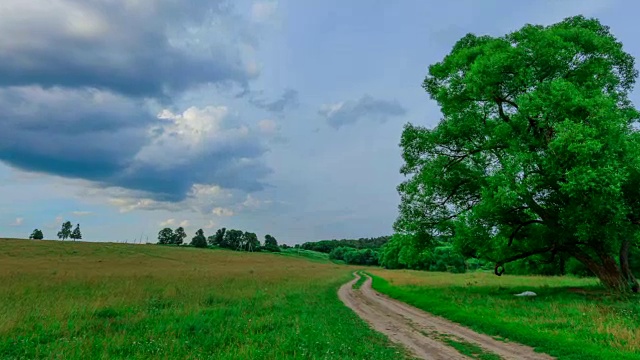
(571, 318)
(115, 301)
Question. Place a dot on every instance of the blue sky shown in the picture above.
(279, 117)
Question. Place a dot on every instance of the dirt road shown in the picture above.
(425, 335)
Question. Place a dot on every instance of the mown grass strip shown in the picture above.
(471, 350)
(358, 284)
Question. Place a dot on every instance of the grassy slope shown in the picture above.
(559, 321)
(115, 301)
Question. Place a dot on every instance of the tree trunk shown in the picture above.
(608, 272)
(624, 267)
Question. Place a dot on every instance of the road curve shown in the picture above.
(422, 333)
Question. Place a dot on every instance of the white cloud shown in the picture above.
(220, 211)
(168, 223)
(268, 126)
(263, 11)
(81, 213)
(367, 107)
(210, 225)
(195, 133)
(173, 222)
(251, 203)
(18, 222)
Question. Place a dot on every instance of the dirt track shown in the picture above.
(422, 333)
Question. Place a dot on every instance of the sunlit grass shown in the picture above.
(115, 301)
(572, 318)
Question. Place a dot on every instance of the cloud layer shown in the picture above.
(140, 48)
(87, 90)
(365, 108)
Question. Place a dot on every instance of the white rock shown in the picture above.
(527, 293)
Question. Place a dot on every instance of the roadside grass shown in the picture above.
(571, 318)
(115, 301)
(358, 284)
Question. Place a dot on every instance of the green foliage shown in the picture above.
(76, 234)
(199, 241)
(361, 257)
(537, 154)
(165, 236)
(353, 256)
(36, 235)
(232, 239)
(65, 231)
(271, 244)
(410, 252)
(445, 258)
(326, 246)
(218, 238)
(250, 241)
(178, 236)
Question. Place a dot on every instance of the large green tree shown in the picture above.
(537, 153)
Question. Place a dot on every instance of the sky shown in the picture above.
(277, 117)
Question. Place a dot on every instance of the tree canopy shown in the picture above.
(65, 231)
(36, 235)
(199, 241)
(537, 152)
(76, 234)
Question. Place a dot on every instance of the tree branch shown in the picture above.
(515, 232)
(500, 264)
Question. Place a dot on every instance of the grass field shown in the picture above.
(115, 301)
(570, 318)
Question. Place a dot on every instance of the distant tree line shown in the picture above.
(362, 251)
(228, 239)
(326, 246)
(64, 233)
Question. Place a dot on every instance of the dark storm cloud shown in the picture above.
(367, 108)
(98, 136)
(137, 48)
(76, 75)
(288, 100)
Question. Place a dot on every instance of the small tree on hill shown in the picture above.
(37, 235)
(165, 236)
(218, 238)
(65, 231)
(179, 236)
(270, 243)
(76, 234)
(250, 242)
(232, 239)
(199, 241)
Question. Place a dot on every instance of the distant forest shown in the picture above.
(363, 251)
